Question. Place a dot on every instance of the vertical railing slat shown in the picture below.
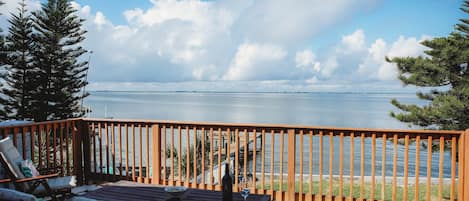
(236, 165)
(300, 186)
(441, 166)
(171, 154)
(341, 165)
(179, 155)
(352, 165)
(429, 166)
(417, 167)
(406, 166)
(321, 146)
(453, 168)
(383, 167)
(331, 162)
(362, 166)
(394, 170)
(373, 166)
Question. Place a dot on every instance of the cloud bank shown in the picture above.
(237, 45)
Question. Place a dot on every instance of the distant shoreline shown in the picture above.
(245, 92)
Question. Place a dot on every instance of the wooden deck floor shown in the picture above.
(130, 191)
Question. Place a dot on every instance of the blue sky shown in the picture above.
(256, 45)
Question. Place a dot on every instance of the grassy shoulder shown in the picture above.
(422, 190)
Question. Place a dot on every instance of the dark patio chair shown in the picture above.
(47, 185)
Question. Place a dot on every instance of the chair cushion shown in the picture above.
(28, 169)
(12, 156)
(9, 194)
(59, 183)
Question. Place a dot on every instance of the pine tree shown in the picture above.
(444, 69)
(20, 71)
(61, 74)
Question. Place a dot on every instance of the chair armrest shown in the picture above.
(5, 181)
(40, 177)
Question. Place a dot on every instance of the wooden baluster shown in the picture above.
(281, 160)
(341, 165)
(202, 162)
(194, 183)
(219, 155)
(373, 166)
(48, 165)
(429, 167)
(300, 192)
(119, 142)
(406, 166)
(236, 170)
(352, 157)
(67, 148)
(127, 151)
(417, 166)
(23, 142)
(15, 139)
(263, 161)
(95, 159)
(147, 178)
(272, 160)
(453, 168)
(311, 164)
(54, 144)
(394, 170)
(383, 167)
(246, 150)
(100, 133)
(171, 154)
(254, 170)
(106, 128)
(179, 156)
(113, 151)
(362, 166)
(39, 143)
(140, 168)
(331, 162)
(134, 155)
(33, 138)
(211, 159)
(188, 165)
(442, 157)
(320, 161)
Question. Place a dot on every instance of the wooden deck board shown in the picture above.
(136, 191)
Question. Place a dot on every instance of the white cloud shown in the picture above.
(374, 65)
(307, 60)
(253, 60)
(354, 42)
(252, 41)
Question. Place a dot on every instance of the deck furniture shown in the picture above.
(48, 185)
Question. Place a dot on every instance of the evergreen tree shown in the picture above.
(444, 69)
(20, 71)
(61, 73)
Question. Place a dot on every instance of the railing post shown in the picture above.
(86, 150)
(156, 144)
(77, 132)
(291, 165)
(463, 190)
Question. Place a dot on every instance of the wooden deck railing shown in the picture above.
(288, 162)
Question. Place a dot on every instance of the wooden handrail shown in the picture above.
(153, 151)
(40, 177)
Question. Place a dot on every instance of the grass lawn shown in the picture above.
(367, 190)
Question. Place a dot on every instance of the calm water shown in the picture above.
(318, 109)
